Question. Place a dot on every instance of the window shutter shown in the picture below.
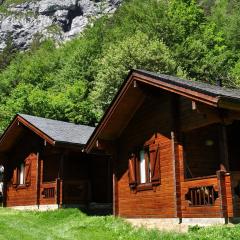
(28, 172)
(155, 164)
(15, 177)
(132, 171)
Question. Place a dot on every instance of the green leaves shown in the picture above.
(138, 51)
(77, 80)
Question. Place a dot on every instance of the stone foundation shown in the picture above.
(37, 207)
(175, 224)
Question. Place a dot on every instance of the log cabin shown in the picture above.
(175, 150)
(46, 168)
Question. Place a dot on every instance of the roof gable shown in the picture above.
(53, 131)
(197, 91)
(59, 131)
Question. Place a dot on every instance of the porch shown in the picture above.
(56, 192)
(210, 187)
(74, 179)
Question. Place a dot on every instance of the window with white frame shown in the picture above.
(22, 174)
(144, 166)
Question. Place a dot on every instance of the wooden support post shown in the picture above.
(59, 192)
(115, 186)
(225, 194)
(222, 193)
(177, 158)
(60, 179)
(39, 176)
(174, 172)
(223, 145)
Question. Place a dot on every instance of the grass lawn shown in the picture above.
(73, 224)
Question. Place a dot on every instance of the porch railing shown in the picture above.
(51, 192)
(201, 196)
(67, 192)
(207, 196)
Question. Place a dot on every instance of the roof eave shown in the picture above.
(64, 143)
(20, 119)
(91, 141)
(229, 103)
(36, 130)
(154, 81)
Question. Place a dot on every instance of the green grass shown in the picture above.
(73, 224)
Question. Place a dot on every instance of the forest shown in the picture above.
(77, 80)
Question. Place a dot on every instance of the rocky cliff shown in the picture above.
(57, 19)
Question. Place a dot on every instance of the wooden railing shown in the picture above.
(67, 192)
(48, 192)
(201, 196)
(208, 196)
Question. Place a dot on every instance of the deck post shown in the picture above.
(176, 154)
(59, 192)
(39, 171)
(115, 183)
(225, 194)
(223, 145)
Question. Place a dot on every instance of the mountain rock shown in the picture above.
(51, 6)
(58, 19)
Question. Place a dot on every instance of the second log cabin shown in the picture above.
(46, 168)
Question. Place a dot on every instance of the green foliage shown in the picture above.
(77, 81)
(7, 54)
(138, 51)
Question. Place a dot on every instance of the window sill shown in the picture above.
(144, 187)
(21, 186)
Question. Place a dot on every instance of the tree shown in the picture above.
(7, 54)
(137, 51)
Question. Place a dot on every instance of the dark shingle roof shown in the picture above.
(59, 131)
(206, 88)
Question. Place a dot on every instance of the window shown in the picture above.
(21, 174)
(144, 168)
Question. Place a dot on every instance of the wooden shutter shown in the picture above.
(28, 171)
(155, 164)
(15, 177)
(132, 171)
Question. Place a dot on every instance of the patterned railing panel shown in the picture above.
(49, 192)
(201, 196)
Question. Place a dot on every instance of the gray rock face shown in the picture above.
(78, 24)
(57, 19)
(51, 6)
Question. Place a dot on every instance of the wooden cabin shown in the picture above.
(175, 150)
(45, 166)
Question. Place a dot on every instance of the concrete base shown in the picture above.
(175, 224)
(165, 224)
(101, 208)
(37, 207)
(204, 221)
